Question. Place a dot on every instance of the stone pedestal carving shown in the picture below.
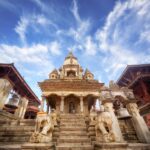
(115, 125)
(43, 130)
(104, 124)
(139, 123)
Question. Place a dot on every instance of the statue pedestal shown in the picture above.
(35, 146)
(110, 146)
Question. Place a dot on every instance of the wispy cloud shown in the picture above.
(75, 12)
(8, 5)
(33, 21)
(125, 25)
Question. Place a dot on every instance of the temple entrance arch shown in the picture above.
(72, 104)
(90, 102)
(52, 102)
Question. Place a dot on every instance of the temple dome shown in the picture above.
(71, 60)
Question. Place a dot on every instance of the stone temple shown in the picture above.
(72, 120)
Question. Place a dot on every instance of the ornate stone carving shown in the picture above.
(133, 109)
(54, 116)
(105, 95)
(113, 85)
(93, 115)
(44, 128)
(104, 124)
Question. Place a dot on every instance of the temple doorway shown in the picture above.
(71, 107)
(72, 104)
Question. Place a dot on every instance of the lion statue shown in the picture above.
(104, 125)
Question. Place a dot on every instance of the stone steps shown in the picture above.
(14, 139)
(72, 139)
(17, 128)
(73, 133)
(10, 134)
(69, 133)
(10, 147)
(75, 128)
(16, 131)
(72, 124)
(74, 147)
(38, 146)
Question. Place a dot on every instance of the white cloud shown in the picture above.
(90, 46)
(34, 54)
(54, 47)
(21, 28)
(35, 22)
(8, 5)
(127, 22)
(75, 11)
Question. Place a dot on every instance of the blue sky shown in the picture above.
(105, 35)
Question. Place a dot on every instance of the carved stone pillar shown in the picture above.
(23, 103)
(81, 104)
(62, 104)
(139, 124)
(47, 107)
(108, 106)
(42, 104)
(5, 88)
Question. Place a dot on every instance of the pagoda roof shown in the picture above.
(10, 72)
(130, 73)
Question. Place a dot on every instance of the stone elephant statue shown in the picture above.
(43, 129)
(104, 125)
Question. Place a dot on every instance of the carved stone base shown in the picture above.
(111, 146)
(38, 146)
(40, 138)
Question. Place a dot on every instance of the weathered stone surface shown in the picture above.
(37, 146)
(73, 133)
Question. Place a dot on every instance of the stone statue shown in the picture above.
(104, 124)
(128, 93)
(93, 115)
(105, 95)
(133, 109)
(43, 129)
(54, 116)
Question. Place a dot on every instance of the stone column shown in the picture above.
(5, 88)
(47, 107)
(23, 103)
(139, 124)
(62, 104)
(81, 104)
(115, 125)
(42, 104)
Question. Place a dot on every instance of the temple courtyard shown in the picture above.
(76, 112)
